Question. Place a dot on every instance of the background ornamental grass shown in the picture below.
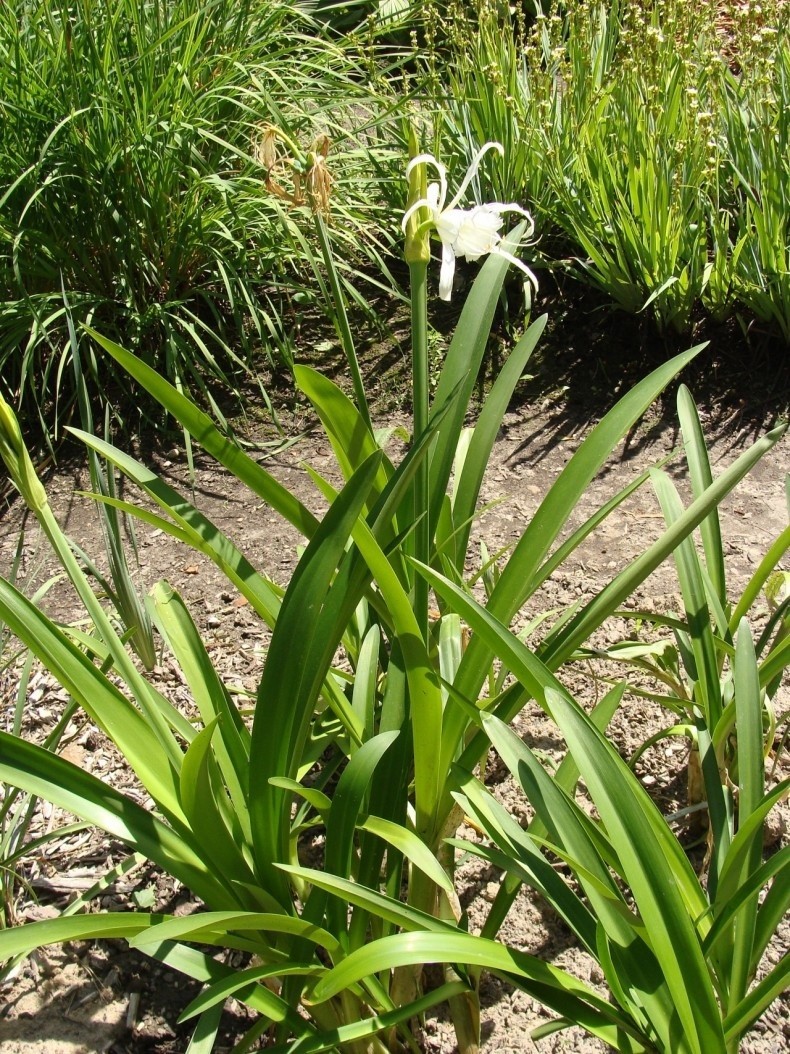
(131, 194)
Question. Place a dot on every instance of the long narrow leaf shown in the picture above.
(701, 478)
(232, 742)
(291, 680)
(547, 523)
(467, 488)
(202, 428)
(105, 704)
(744, 1015)
(462, 365)
(192, 527)
(50, 777)
(558, 647)
(556, 988)
(656, 870)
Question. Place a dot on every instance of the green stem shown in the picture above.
(341, 321)
(418, 273)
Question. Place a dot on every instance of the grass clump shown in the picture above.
(131, 192)
(649, 141)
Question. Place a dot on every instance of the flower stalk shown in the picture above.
(417, 251)
(312, 186)
(20, 468)
(341, 320)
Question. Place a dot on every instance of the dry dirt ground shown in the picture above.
(103, 997)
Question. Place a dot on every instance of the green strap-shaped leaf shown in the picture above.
(354, 1031)
(552, 986)
(518, 849)
(567, 775)
(319, 801)
(751, 785)
(694, 600)
(462, 366)
(701, 478)
(707, 688)
(204, 431)
(348, 802)
(50, 777)
(657, 871)
(366, 681)
(212, 927)
(347, 430)
(242, 981)
(765, 569)
(726, 910)
(232, 740)
(192, 527)
(388, 908)
(301, 649)
(558, 647)
(105, 704)
(467, 488)
(206, 1031)
(425, 697)
(413, 848)
(750, 1009)
(201, 792)
(21, 940)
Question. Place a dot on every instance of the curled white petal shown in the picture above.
(423, 203)
(429, 159)
(432, 202)
(500, 207)
(518, 263)
(424, 159)
(447, 271)
(436, 195)
(472, 170)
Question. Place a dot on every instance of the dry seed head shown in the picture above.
(266, 147)
(268, 157)
(318, 181)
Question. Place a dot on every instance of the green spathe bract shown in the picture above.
(373, 744)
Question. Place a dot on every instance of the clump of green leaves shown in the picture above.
(679, 956)
(362, 750)
(693, 670)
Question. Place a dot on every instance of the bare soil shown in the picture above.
(104, 997)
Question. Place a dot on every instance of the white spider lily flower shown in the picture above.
(470, 233)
